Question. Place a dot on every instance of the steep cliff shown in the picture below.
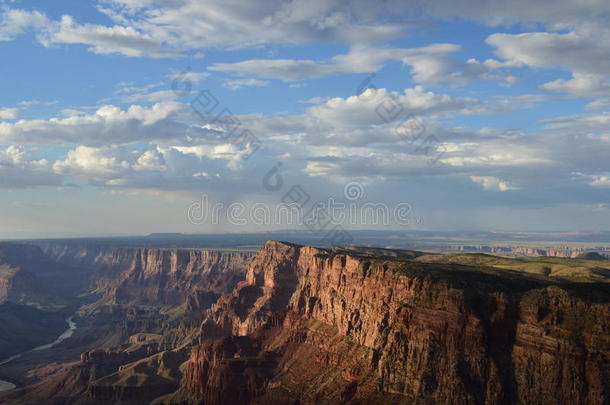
(310, 326)
(155, 276)
(169, 277)
(19, 265)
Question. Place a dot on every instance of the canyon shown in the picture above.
(302, 325)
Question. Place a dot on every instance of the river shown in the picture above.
(5, 385)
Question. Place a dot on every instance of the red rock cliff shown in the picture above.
(312, 327)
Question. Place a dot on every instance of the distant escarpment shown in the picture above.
(156, 276)
(170, 277)
(310, 326)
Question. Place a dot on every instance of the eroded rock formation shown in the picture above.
(311, 327)
(358, 326)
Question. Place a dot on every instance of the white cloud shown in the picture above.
(598, 104)
(376, 106)
(19, 169)
(555, 15)
(432, 65)
(151, 160)
(8, 113)
(600, 181)
(90, 161)
(11, 155)
(574, 51)
(242, 23)
(160, 168)
(579, 124)
(583, 52)
(581, 85)
(106, 40)
(108, 125)
(121, 39)
(15, 22)
(155, 96)
(283, 69)
(491, 183)
(239, 83)
(29, 103)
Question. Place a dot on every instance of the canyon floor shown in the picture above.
(292, 324)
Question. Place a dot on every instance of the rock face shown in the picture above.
(312, 327)
(169, 277)
(18, 282)
(28, 275)
(156, 276)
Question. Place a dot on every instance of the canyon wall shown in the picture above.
(156, 276)
(142, 307)
(18, 265)
(312, 327)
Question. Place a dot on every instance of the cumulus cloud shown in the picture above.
(375, 106)
(161, 168)
(108, 125)
(90, 161)
(8, 113)
(19, 168)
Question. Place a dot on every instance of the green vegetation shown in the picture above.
(583, 278)
(564, 269)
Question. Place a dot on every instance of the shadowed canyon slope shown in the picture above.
(152, 298)
(358, 326)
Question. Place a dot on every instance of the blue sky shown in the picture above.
(514, 100)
